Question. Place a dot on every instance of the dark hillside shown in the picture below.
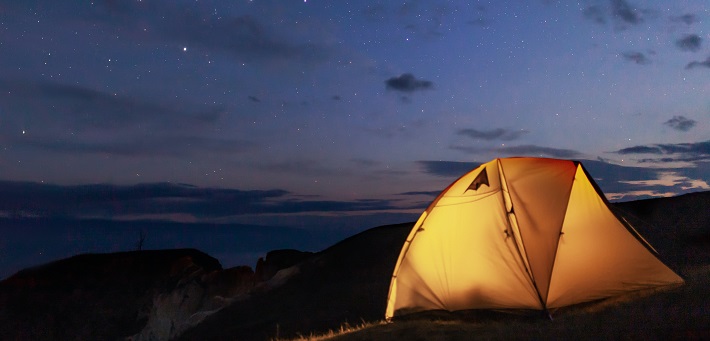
(92, 296)
(179, 293)
(347, 282)
(677, 227)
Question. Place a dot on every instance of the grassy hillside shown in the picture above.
(679, 228)
(348, 283)
(111, 296)
(681, 313)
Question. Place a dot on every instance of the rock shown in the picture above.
(197, 295)
(277, 260)
(111, 296)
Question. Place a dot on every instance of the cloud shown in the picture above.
(687, 152)
(522, 150)
(80, 108)
(425, 193)
(687, 18)
(623, 12)
(495, 134)
(362, 162)
(243, 37)
(680, 123)
(407, 83)
(162, 200)
(636, 57)
(140, 146)
(78, 119)
(594, 13)
(697, 64)
(618, 182)
(639, 150)
(690, 42)
(533, 150)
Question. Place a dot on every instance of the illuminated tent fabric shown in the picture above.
(521, 233)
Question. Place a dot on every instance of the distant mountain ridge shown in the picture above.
(33, 241)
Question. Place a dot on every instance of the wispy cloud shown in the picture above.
(636, 57)
(624, 12)
(163, 200)
(81, 108)
(534, 150)
(698, 64)
(139, 146)
(494, 134)
(680, 123)
(594, 13)
(690, 42)
(622, 182)
(79, 119)
(244, 37)
(620, 12)
(521, 150)
(697, 151)
(618, 182)
(687, 18)
(408, 83)
(424, 193)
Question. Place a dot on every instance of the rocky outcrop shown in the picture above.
(140, 295)
(347, 282)
(197, 295)
(277, 260)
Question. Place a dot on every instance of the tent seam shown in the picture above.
(524, 259)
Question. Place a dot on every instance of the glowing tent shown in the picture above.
(521, 233)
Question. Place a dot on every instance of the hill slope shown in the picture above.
(346, 282)
(349, 281)
(92, 296)
(179, 293)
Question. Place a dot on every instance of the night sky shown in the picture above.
(342, 112)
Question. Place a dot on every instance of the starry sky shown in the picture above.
(341, 112)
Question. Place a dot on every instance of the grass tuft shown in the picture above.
(344, 329)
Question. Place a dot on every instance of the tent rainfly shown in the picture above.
(521, 233)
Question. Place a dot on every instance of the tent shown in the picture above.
(521, 233)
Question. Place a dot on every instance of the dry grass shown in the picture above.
(676, 313)
(344, 329)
